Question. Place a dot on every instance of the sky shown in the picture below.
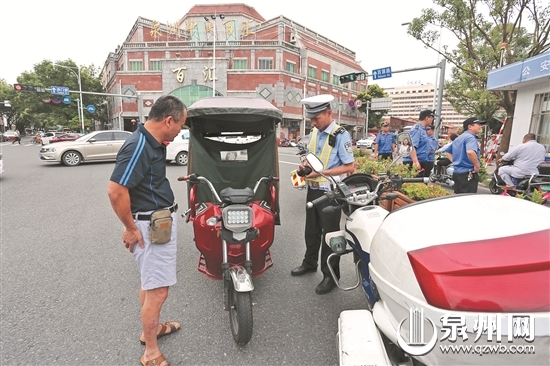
(34, 30)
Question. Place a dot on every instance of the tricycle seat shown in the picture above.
(234, 196)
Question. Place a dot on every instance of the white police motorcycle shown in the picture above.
(473, 297)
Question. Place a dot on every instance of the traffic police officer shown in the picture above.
(419, 155)
(385, 143)
(332, 144)
(464, 154)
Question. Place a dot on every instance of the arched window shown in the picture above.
(191, 93)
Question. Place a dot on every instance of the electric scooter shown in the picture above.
(446, 176)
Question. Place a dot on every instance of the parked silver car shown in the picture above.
(95, 146)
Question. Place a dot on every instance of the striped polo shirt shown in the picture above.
(141, 167)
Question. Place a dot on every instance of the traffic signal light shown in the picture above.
(24, 87)
(354, 76)
(28, 88)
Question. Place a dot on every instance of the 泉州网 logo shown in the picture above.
(416, 345)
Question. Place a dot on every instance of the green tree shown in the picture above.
(490, 33)
(373, 91)
(34, 110)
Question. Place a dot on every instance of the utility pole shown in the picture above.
(81, 107)
(367, 107)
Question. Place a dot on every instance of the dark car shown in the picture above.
(65, 137)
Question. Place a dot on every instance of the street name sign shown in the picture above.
(60, 90)
(382, 73)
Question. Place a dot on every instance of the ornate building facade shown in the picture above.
(231, 50)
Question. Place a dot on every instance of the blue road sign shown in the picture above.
(66, 99)
(382, 73)
(90, 108)
(60, 90)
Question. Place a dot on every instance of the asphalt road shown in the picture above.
(69, 293)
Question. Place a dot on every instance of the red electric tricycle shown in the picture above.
(233, 196)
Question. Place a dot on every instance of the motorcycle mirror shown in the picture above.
(315, 163)
(404, 144)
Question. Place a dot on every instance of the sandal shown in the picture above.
(166, 328)
(155, 361)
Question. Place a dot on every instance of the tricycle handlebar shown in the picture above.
(197, 179)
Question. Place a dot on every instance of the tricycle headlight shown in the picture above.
(237, 218)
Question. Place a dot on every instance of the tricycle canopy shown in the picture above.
(233, 143)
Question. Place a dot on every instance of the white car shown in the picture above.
(366, 143)
(45, 139)
(178, 149)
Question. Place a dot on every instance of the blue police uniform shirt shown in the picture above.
(385, 142)
(432, 142)
(141, 167)
(420, 142)
(342, 152)
(461, 162)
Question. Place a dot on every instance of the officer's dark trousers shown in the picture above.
(463, 185)
(317, 224)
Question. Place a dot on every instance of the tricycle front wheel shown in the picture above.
(240, 315)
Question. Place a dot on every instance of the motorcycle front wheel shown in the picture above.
(240, 315)
(494, 188)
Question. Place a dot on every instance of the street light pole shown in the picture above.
(367, 107)
(437, 63)
(81, 107)
(214, 59)
(222, 17)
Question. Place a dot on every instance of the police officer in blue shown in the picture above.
(433, 148)
(464, 154)
(419, 155)
(385, 143)
(332, 144)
